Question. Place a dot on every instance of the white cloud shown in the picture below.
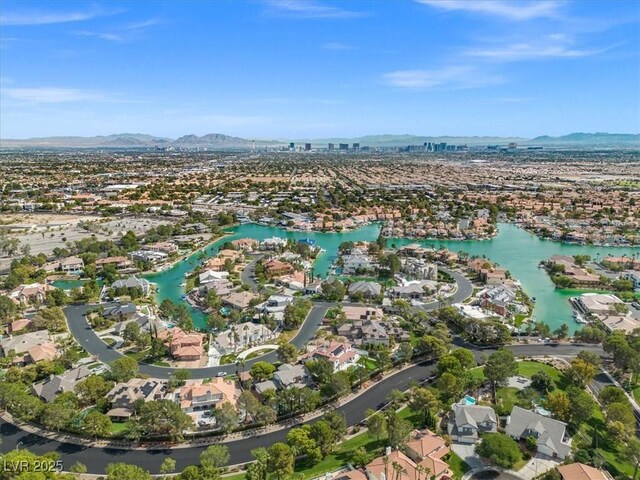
(556, 45)
(309, 9)
(511, 9)
(336, 46)
(46, 18)
(447, 77)
(53, 95)
(122, 34)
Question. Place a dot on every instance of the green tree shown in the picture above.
(424, 401)
(215, 456)
(398, 429)
(226, 416)
(542, 382)
(465, 357)
(376, 424)
(280, 460)
(499, 367)
(92, 389)
(96, 424)
(499, 449)
(632, 452)
(582, 405)
(432, 346)
(612, 394)
(161, 417)
(301, 443)
(261, 371)
(559, 405)
(124, 369)
(124, 471)
(324, 437)
(581, 372)
(259, 469)
(287, 352)
(56, 416)
(360, 457)
(8, 309)
(168, 466)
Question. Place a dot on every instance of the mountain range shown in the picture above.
(220, 141)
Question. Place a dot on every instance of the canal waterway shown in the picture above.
(513, 248)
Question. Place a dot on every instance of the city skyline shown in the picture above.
(309, 69)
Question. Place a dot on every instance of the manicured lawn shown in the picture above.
(369, 363)
(528, 368)
(458, 466)
(139, 356)
(636, 393)
(612, 454)
(227, 359)
(259, 352)
(117, 427)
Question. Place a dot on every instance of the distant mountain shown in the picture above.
(387, 140)
(220, 141)
(599, 138)
(115, 140)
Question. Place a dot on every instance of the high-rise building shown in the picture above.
(292, 146)
(344, 146)
(307, 147)
(331, 147)
(356, 146)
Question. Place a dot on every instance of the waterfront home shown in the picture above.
(497, 299)
(551, 435)
(133, 282)
(341, 355)
(211, 275)
(29, 294)
(356, 262)
(196, 396)
(215, 264)
(221, 287)
(123, 396)
(367, 289)
(121, 263)
(184, 347)
(72, 265)
(163, 247)
(596, 303)
(19, 325)
(239, 300)
(417, 268)
(273, 243)
(467, 422)
(626, 323)
(579, 276)
(275, 306)
(245, 244)
(150, 256)
(50, 388)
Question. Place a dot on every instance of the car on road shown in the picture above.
(221, 374)
(635, 305)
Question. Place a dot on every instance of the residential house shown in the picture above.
(197, 396)
(273, 243)
(148, 256)
(427, 449)
(72, 265)
(221, 287)
(120, 311)
(245, 244)
(133, 282)
(163, 247)
(596, 303)
(29, 347)
(121, 263)
(579, 276)
(417, 268)
(19, 325)
(634, 277)
(412, 290)
(276, 268)
(497, 299)
(184, 347)
(468, 422)
(239, 300)
(341, 355)
(551, 435)
(50, 388)
(288, 376)
(367, 289)
(124, 395)
(313, 288)
(355, 262)
(242, 336)
(211, 275)
(362, 313)
(384, 467)
(580, 471)
(31, 293)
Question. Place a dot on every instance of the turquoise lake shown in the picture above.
(513, 248)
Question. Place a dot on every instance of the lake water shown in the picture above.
(513, 248)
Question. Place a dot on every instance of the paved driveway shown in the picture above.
(537, 466)
(466, 452)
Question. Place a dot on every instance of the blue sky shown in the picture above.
(296, 68)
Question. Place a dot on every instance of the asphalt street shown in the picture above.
(97, 459)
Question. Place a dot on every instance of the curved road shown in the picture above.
(97, 459)
(89, 340)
